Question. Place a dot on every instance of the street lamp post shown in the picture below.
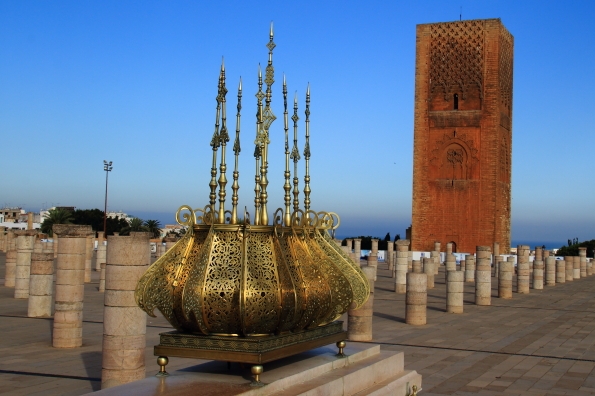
(107, 167)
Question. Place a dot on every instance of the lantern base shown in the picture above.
(251, 350)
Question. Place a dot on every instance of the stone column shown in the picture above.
(409, 260)
(417, 296)
(100, 258)
(505, 279)
(522, 269)
(11, 259)
(359, 321)
(435, 254)
(55, 240)
(589, 267)
(70, 285)
(496, 258)
(2, 239)
(41, 285)
(569, 268)
(169, 242)
(389, 256)
(401, 266)
(576, 274)
(560, 271)
(88, 257)
(30, 221)
(538, 269)
(37, 246)
(102, 278)
(22, 273)
(437, 246)
(48, 247)
(428, 265)
(469, 268)
(357, 250)
(483, 276)
(124, 323)
(462, 267)
(373, 256)
(451, 262)
(550, 271)
(582, 256)
(373, 267)
(454, 291)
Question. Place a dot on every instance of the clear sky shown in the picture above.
(135, 82)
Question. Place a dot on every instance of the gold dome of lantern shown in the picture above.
(232, 277)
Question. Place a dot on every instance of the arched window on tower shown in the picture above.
(456, 101)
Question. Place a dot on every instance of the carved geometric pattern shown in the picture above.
(505, 67)
(447, 140)
(456, 57)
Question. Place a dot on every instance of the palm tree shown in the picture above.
(55, 216)
(134, 225)
(154, 227)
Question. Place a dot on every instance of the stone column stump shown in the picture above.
(416, 299)
(505, 280)
(401, 266)
(359, 321)
(11, 259)
(428, 269)
(70, 285)
(88, 258)
(41, 285)
(469, 268)
(454, 291)
(569, 261)
(582, 256)
(522, 269)
(560, 271)
(357, 250)
(538, 269)
(550, 271)
(576, 273)
(101, 251)
(389, 256)
(22, 274)
(483, 276)
(124, 323)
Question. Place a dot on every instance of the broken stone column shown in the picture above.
(37, 246)
(100, 258)
(569, 268)
(538, 269)
(389, 256)
(582, 256)
(409, 260)
(448, 248)
(374, 267)
(357, 250)
(416, 266)
(41, 285)
(560, 271)
(401, 266)
(2, 239)
(462, 267)
(70, 285)
(124, 323)
(451, 262)
(505, 279)
(576, 274)
(373, 256)
(550, 271)
(88, 257)
(359, 321)
(428, 264)
(589, 267)
(48, 247)
(483, 276)
(102, 278)
(454, 291)
(22, 273)
(11, 259)
(56, 242)
(417, 296)
(469, 268)
(522, 269)
(496, 258)
(436, 254)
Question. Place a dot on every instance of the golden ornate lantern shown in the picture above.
(242, 278)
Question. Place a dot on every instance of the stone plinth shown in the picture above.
(454, 291)
(100, 258)
(124, 323)
(483, 276)
(25, 243)
(416, 298)
(70, 285)
(359, 321)
(560, 271)
(41, 285)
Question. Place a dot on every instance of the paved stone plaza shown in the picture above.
(542, 343)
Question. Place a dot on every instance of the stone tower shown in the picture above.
(462, 135)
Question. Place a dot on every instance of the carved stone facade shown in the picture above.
(463, 136)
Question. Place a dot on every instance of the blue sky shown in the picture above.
(135, 83)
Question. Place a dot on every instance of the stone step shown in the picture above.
(399, 385)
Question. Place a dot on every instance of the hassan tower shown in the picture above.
(462, 135)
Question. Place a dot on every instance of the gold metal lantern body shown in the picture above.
(247, 280)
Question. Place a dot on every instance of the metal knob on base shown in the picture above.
(341, 345)
(162, 361)
(256, 371)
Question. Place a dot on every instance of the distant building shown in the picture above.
(119, 215)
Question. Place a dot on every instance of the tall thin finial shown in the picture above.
(295, 155)
(307, 190)
(215, 142)
(258, 144)
(236, 149)
(223, 139)
(287, 174)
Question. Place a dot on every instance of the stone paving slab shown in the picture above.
(541, 343)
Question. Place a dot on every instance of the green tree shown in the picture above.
(397, 237)
(135, 225)
(154, 227)
(55, 216)
(572, 250)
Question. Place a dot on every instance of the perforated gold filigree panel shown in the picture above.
(456, 56)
